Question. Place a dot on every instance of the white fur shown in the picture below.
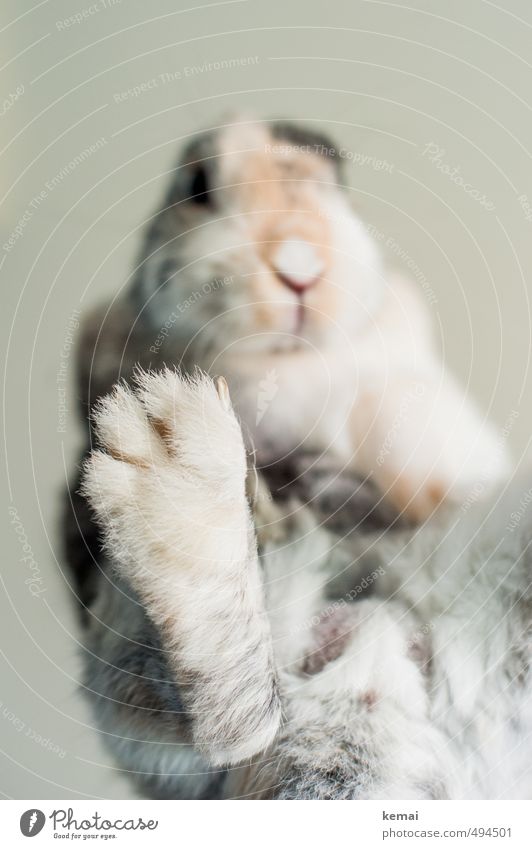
(374, 721)
(178, 528)
(358, 380)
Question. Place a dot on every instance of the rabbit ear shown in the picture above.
(238, 117)
(197, 158)
(203, 157)
(199, 148)
(244, 133)
(227, 136)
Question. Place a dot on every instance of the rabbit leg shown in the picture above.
(356, 727)
(168, 488)
(422, 442)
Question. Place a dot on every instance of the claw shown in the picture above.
(223, 391)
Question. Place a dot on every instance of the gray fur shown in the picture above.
(275, 675)
(377, 719)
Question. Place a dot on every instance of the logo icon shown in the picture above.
(32, 822)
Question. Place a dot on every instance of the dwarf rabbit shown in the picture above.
(256, 267)
(219, 669)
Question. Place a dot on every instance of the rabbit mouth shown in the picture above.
(299, 318)
(294, 328)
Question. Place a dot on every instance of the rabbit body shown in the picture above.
(256, 267)
(235, 667)
(233, 652)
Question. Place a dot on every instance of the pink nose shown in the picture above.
(297, 264)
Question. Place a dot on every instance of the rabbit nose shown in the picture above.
(297, 264)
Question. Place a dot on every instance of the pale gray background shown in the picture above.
(384, 78)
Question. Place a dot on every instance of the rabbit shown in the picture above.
(256, 267)
(257, 685)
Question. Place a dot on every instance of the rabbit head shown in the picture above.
(255, 249)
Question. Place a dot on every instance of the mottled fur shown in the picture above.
(215, 670)
(356, 375)
(376, 719)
